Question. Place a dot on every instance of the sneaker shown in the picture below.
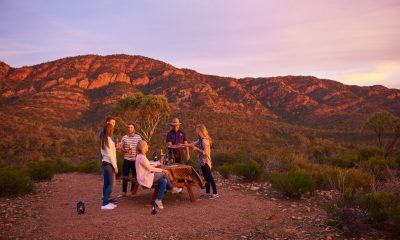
(109, 206)
(176, 190)
(113, 201)
(159, 204)
(113, 204)
(214, 196)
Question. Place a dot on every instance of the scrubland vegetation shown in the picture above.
(295, 160)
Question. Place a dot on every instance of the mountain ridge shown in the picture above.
(72, 88)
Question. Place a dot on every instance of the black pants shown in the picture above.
(207, 174)
(128, 166)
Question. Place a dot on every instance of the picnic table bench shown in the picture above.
(180, 175)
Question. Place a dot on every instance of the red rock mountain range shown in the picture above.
(79, 88)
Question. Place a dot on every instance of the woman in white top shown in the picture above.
(146, 174)
(109, 165)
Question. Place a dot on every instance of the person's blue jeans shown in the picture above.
(163, 183)
(108, 176)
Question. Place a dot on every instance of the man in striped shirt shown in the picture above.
(128, 146)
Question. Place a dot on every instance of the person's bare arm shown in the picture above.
(187, 151)
(198, 149)
(121, 145)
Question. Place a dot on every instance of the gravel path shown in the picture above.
(50, 213)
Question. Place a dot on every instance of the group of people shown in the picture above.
(147, 174)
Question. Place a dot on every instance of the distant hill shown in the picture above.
(82, 88)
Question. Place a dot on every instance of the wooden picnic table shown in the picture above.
(180, 175)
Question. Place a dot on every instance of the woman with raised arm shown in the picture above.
(203, 147)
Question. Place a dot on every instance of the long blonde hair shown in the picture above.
(140, 147)
(203, 132)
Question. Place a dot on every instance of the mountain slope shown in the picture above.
(82, 87)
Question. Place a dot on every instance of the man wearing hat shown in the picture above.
(176, 137)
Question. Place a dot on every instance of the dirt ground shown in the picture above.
(241, 212)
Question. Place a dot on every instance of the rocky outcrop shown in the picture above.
(104, 79)
(78, 86)
(4, 69)
(141, 81)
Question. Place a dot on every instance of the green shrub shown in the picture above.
(263, 155)
(340, 215)
(225, 170)
(63, 166)
(291, 161)
(320, 173)
(397, 161)
(14, 181)
(358, 181)
(351, 183)
(294, 183)
(384, 210)
(41, 170)
(367, 153)
(251, 170)
(322, 149)
(91, 166)
(378, 166)
(220, 159)
(343, 161)
(333, 214)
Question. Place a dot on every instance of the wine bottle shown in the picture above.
(162, 156)
(172, 157)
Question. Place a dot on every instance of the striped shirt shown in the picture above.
(130, 142)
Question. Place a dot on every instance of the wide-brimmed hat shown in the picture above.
(175, 121)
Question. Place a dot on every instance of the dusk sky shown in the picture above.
(355, 42)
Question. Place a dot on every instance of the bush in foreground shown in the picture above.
(251, 170)
(225, 170)
(63, 166)
(294, 183)
(14, 181)
(384, 210)
(41, 170)
(91, 167)
(351, 183)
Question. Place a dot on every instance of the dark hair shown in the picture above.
(109, 118)
(107, 132)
